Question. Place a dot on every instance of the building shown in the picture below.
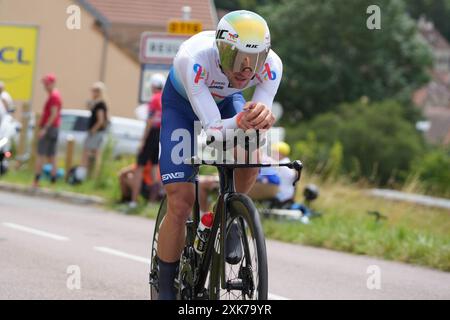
(434, 98)
(104, 48)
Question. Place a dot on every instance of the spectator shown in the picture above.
(206, 184)
(272, 183)
(48, 129)
(126, 180)
(149, 149)
(286, 193)
(266, 186)
(97, 126)
(6, 102)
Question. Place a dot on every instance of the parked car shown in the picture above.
(126, 133)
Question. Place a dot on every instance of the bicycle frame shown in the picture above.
(226, 189)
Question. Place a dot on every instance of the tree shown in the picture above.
(239, 4)
(438, 11)
(330, 56)
(377, 142)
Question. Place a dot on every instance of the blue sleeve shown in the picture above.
(238, 102)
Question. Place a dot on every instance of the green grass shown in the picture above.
(411, 233)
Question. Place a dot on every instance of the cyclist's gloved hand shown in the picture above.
(242, 120)
(255, 116)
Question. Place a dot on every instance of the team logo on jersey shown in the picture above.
(200, 73)
(269, 74)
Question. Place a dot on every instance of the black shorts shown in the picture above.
(47, 144)
(150, 151)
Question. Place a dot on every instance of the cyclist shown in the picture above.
(205, 84)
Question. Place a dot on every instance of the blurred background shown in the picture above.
(365, 109)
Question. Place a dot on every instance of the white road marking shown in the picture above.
(133, 257)
(272, 296)
(35, 231)
(122, 254)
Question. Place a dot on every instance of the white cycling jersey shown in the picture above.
(198, 78)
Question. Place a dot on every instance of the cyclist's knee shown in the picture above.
(180, 198)
(245, 178)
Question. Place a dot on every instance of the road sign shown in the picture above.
(159, 48)
(189, 27)
(18, 59)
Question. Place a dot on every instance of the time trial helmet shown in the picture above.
(243, 41)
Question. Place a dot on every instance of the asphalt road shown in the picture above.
(45, 244)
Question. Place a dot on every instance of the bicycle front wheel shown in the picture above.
(245, 278)
(154, 271)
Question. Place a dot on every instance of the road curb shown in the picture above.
(66, 196)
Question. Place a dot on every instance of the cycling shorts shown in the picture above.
(177, 113)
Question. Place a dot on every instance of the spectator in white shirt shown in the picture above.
(6, 102)
(286, 190)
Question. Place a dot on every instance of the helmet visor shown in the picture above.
(234, 60)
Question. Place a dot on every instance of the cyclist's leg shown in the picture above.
(180, 199)
(176, 144)
(245, 178)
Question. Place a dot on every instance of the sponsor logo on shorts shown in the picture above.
(174, 175)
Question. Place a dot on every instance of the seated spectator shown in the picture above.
(286, 193)
(206, 184)
(127, 178)
(266, 185)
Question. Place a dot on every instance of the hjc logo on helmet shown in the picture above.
(219, 34)
(233, 37)
(253, 46)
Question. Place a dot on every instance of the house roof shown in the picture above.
(440, 125)
(125, 20)
(432, 35)
(153, 12)
(434, 100)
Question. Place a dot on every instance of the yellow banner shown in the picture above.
(18, 59)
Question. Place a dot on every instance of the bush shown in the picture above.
(433, 171)
(372, 141)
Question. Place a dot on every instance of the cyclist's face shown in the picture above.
(239, 79)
